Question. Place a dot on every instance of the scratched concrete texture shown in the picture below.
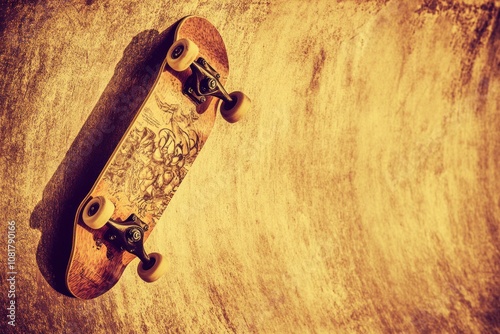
(361, 194)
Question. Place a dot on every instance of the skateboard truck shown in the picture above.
(203, 82)
(129, 236)
(125, 235)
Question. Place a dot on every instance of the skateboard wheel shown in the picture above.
(156, 271)
(182, 54)
(234, 111)
(97, 212)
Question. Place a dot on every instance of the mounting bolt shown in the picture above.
(112, 237)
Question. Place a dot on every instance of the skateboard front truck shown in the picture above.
(204, 80)
(126, 236)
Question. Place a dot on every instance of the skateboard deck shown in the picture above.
(148, 165)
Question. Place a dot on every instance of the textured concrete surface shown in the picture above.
(361, 194)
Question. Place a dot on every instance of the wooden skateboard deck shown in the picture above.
(148, 165)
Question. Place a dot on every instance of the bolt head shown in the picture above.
(134, 234)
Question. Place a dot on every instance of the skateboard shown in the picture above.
(152, 158)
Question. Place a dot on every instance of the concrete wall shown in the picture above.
(361, 193)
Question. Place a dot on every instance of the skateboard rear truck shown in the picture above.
(126, 236)
(129, 236)
(204, 80)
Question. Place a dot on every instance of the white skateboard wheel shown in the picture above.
(156, 271)
(182, 54)
(97, 212)
(237, 109)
